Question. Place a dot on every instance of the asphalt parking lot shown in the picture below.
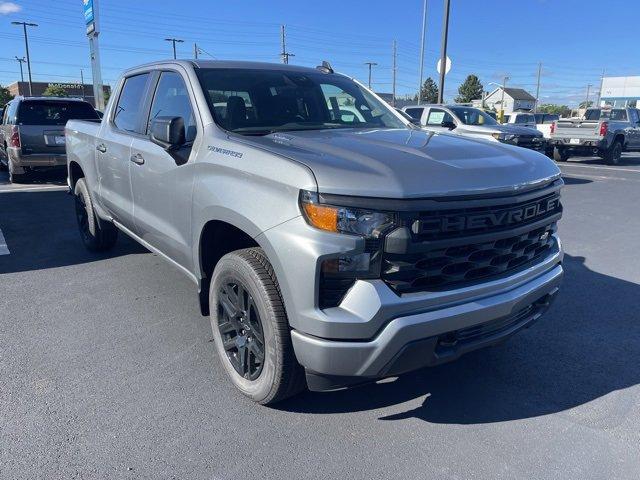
(107, 369)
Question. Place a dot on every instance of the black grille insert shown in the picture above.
(457, 266)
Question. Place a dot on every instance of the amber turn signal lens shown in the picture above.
(322, 216)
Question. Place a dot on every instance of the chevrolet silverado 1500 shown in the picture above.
(331, 241)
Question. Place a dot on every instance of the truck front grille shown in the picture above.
(455, 247)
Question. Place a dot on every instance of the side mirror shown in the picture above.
(168, 132)
(449, 125)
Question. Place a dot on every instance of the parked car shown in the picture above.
(328, 251)
(473, 122)
(522, 119)
(606, 132)
(32, 133)
(544, 122)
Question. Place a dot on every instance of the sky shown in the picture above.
(573, 39)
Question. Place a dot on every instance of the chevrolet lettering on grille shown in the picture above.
(488, 219)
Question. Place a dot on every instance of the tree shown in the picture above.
(585, 104)
(429, 91)
(561, 110)
(5, 96)
(471, 89)
(55, 91)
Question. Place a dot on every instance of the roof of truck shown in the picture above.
(229, 64)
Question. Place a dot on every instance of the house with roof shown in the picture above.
(514, 99)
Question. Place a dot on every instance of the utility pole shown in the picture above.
(284, 54)
(443, 53)
(600, 90)
(586, 102)
(504, 85)
(21, 61)
(422, 40)
(82, 82)
(370, 64)
(26, 45)
(395, 55)
(195, 51)
(535, 108)
(174, 41)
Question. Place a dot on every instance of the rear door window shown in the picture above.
(53, 112)
(130, 104)
(415, 113)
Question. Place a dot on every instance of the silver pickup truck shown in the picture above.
(606, 132)
(330, 247)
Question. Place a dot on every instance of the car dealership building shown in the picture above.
(620, 91)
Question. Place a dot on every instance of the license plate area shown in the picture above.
(574, 141)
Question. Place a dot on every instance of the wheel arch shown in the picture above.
(75, 172)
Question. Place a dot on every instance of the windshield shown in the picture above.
(525, 118)
(54, 112)
(259, 101)
(472, 116)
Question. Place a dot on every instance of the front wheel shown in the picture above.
(250, 328)
(96, 236)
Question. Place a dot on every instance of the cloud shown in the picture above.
(7, 8)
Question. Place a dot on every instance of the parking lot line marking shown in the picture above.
(4, 249)
(597, 167)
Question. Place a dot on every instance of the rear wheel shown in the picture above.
(560, 154)
(96, 235)
(251, 329)
(613, 155)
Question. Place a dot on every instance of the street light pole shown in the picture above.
(371, 64)
(443, 53)
(21, 61)
(26, 45)
(504, 85)
(174, 41)
(422, 40)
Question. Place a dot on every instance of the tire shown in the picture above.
(248, 317)
(613, 154)
(15, 177)
(560, 154)
(96, 235)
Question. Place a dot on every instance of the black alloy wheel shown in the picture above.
(241, 329)
(83, 218)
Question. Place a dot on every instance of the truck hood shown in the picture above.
(509, 129)
(404, 163)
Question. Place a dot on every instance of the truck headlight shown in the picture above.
(504, 137)
(349, 220)
(338, 273)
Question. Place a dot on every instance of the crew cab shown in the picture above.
(606, 132)
(475, 123)
(330, 246)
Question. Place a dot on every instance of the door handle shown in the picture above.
(101, 148)
(137, 158)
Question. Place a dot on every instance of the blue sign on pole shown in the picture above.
(89, 16)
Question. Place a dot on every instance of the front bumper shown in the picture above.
(426, 339)
(375, 332)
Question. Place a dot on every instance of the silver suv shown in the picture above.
(331, 241)
(32, 133)
(475, 123)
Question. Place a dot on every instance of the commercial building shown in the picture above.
(514, 99)
(620, 91)
(75, 90)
